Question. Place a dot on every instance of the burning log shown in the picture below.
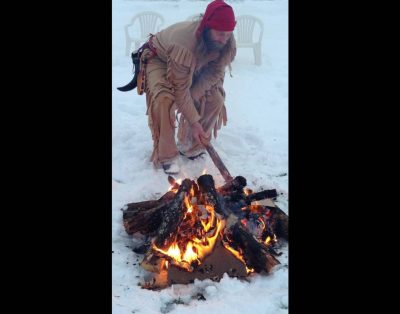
(131, 208)
(209, 194)
(144, 221)
(280, 223)
(261, 195)
(256, 254)
(234, 186)
(172, 215)
(144, 216)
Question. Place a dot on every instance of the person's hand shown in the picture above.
(199, 135)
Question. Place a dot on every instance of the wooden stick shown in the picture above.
(218, 162)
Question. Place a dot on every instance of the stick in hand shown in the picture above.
(218, 162)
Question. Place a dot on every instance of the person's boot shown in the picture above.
(171, 166)
(187, 150)
(195, 154)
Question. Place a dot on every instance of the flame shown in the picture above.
(203, 248)
(189, 206)
(239, 256)
(173, 251)
(247, 191)
(189, 255)
(268, 240)
(206, 247)
(204, 171)
(175, 187)
(207, 226)
(196, 249)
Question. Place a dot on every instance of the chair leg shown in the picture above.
(257, 54)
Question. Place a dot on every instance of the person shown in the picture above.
(182, 70)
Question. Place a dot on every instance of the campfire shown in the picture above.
(197, 230)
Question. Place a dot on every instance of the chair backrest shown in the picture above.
(245, 29)
(150, 22)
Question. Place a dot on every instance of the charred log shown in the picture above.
(234, 186)
(130, 209)
(140, 217)
(280, 223)
(172, 216)
(240, 196)
(208, 193)
(256, 254)
(143, 248)
(143, 216)
(143, 222)
(236, 201)
(261, 195)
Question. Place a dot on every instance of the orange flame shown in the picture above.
(189, 206)
(207, 226)
(203, 248)
(206, 247)
(196, 248)
(247, 191)
(192, 191)
(239, 256)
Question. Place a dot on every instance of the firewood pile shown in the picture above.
(197, 230)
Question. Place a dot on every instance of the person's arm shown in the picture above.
(207, 78)
(180, 77)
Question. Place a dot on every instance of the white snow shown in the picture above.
(254, 144)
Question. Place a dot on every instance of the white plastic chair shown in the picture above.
(149, 22)
(246, 31)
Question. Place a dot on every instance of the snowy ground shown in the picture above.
(254, 144)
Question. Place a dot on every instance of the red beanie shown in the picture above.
(218, 16)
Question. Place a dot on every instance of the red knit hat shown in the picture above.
(218, 16)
